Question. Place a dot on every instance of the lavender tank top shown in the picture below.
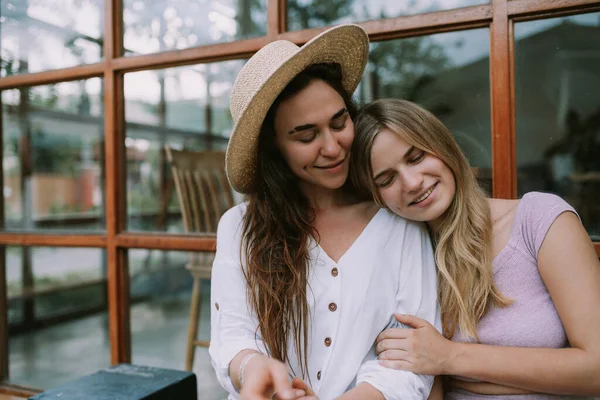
(532, 319)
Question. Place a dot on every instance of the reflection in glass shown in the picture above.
(38, 35)
(161, 287)
(185, 108)
(557, 89)
(448, 74)
(57, 311)
(161, 25)
(53, 156)
(303, 14)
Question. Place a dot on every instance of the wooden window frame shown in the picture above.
(499, 16)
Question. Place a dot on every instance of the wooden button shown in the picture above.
(319, 375)
(332, 307)
(327, 341)
(217, 306)
(334, 272)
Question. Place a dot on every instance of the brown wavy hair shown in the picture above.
(276, 230)
(462, 239)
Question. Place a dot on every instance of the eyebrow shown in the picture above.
(405, 156)
(310, 126)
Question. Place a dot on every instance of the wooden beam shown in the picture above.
(116, 214)
(503, 162)
(4, 350)
(412, 25)
(53, 76)
(51, 240)
(162, 241)
(276, 18)
(528, 9)
(18, 390)
(194, 55)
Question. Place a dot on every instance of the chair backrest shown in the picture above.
(203, 190)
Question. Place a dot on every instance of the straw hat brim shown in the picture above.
(347, 45)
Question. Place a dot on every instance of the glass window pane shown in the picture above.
(161, 289)
(53, 156)
(161, 25)
(448, 74)
(57, 312)
(38, 35)
(185, 108)
(303, 14)
(557, 90)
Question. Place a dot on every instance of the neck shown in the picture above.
(434, 224)
(323, 199)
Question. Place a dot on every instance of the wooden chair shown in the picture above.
(204, 195)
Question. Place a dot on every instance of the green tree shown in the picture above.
(304, 15)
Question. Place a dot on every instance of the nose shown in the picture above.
(412, 180)
(331, 146)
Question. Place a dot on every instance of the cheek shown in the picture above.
(388, 197)
(299, 155)
(347, 136)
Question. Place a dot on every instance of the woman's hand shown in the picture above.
(307, 392)
(264, 376)
(422, 350)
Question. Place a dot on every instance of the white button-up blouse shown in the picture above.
(388, 269)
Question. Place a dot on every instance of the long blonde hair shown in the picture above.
(462, 239)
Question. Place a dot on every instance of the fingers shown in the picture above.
(298, 394)
(393, 355)
(391, 344)
(402, 365)
(300, 384)
(395, 333)
(271, 377)
(411, 320)
(281, 382)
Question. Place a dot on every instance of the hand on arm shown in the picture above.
(422, 349)
(416, 295)
(570, 270)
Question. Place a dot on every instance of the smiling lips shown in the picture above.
(424, 196)
(331, 166)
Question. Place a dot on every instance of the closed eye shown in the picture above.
(339, 123)
(418, 158)
(308, 137)
(385, 182)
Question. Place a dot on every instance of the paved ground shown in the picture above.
(55, 355)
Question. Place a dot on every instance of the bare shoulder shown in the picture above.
(502, 209)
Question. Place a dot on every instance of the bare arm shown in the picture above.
(236, 363)
(362, 391)
(570, 269)
(437, 390)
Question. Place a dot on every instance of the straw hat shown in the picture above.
(265, 76)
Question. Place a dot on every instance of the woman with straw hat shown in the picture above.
(307, 273)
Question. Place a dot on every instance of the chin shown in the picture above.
(334, 185)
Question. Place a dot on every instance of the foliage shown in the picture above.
(317, 13)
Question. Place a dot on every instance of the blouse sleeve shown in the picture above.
(417, 295)
(233, 325)
(537, 216)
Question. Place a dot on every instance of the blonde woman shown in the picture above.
(519, 280)
(307, 272)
